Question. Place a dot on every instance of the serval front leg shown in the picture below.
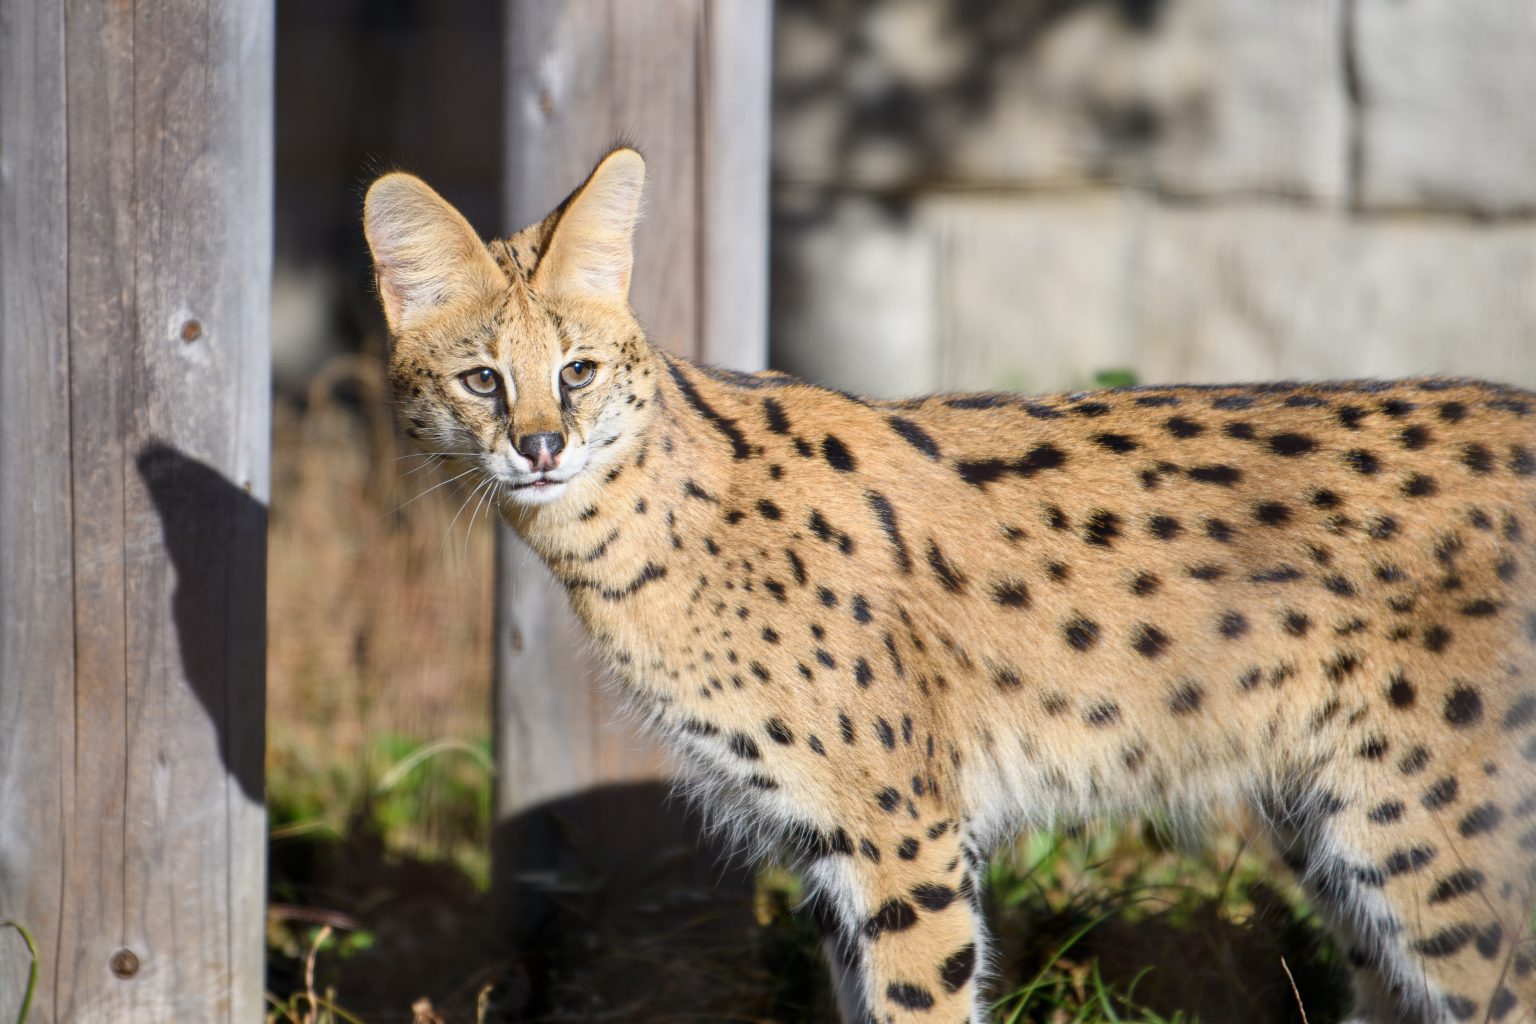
(903, 933)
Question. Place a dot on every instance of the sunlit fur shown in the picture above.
(882, 637)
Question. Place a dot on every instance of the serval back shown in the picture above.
(881, 637)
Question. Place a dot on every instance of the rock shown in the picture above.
(1447, 88)
(1045, 294)
(852, 294)
(1187, 95)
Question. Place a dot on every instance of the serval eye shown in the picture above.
(578, 374)
(482, 381)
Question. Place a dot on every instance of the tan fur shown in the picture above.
(426, 257)
(884, 636)
(590, 254)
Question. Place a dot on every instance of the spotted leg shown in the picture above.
(904, 932)
(1434, 920)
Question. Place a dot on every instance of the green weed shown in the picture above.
(26, 996)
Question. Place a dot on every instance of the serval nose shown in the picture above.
(543, 450)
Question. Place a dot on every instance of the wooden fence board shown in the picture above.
(37, 767)
(687, 82)
(734, 158)
(134, 754)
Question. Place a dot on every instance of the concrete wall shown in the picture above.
(1027, 193)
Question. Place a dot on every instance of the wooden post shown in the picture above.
(135, 256)
(687, 81)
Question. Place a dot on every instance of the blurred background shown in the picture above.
(1017, 194)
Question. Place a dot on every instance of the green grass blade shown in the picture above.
(26, 997)
(428, 751)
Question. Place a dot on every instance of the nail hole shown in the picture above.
(125, 963)
(191, 331)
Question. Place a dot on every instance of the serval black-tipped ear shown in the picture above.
(426, 257)
(591, 248)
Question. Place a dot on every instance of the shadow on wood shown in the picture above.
(200, 513)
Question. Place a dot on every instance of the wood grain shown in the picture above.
(686, 81)
(37, 700)
(733, 152)
(135, 235)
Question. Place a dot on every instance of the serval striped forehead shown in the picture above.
(526, 337)
(518, 256)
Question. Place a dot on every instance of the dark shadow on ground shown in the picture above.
(608, 893)
(1192, 959)
(628, 932)
(625, 930)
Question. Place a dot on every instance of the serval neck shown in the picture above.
(622, 527)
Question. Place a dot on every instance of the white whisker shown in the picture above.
(470, 529)
(429, 490)
(435, 460)
(430, 462)
(424, 455)
(447, 534)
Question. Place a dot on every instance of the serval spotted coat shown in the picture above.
(883, 636)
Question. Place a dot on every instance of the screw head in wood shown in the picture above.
(125, 963)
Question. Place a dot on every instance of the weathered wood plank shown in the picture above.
(734, 172)
(687, 82)
(99, 125)
(585, 76)
(37, 699)
(141, 755)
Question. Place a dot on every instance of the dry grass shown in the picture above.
(379, 611)
(379, 608)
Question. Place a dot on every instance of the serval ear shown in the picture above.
(591, 246)
(425, 255)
